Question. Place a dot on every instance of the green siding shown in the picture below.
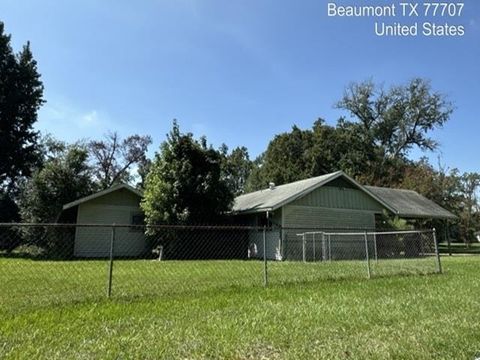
(299, 219)
(340, 198)
(318, 217)
(277, 217)
(114, 208)
(121, 197)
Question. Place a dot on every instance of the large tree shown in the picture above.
(394, 121)
(65, 176)
(236, 168)
(114, 158)
(373, 148)
(300, 154)
(185, 183)
(21, 95)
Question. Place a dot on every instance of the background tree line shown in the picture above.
(189, 181)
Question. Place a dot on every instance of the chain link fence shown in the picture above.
(52, 263)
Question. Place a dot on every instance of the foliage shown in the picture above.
(236, 168)
(64, 177)
(21, 95)
(9, 212)
(373, 148)
(185, 183)
(114, 158)
(470, 207)
(398, 119)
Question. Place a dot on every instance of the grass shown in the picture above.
(217, 309)
(459, 248)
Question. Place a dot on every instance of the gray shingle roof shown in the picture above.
(271, 199)
(411, 204)
(405, 203)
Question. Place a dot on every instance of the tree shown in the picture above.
(470, 183)
(374, 148)
(64, 177)
(21, 95)
(236, 168)
(287, 159)
(114, 158)
(395, 121)
(300, 154)
(185, 183)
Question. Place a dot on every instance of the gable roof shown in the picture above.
(410, 204)
(271, 199)
(103, 193)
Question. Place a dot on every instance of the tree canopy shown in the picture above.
(185, 183)
(114, 158)
(373, 147)
(21, 95)
(64, 177)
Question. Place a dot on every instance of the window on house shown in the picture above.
(137, 219)
(263, 221)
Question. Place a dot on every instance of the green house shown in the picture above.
(333, 202)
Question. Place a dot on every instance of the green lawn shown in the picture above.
(219, 309)
(460, 248)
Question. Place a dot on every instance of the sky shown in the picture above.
(238, 72)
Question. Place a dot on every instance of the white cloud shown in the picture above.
(90, 119)
(67, 121)
(473, 24)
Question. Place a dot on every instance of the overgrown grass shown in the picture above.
(220, 310)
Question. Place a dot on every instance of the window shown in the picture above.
(137, 219)
(263, 221)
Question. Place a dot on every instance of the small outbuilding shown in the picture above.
(119, 204)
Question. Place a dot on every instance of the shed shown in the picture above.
(119, 204)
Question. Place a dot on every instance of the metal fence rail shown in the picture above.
(53, 263)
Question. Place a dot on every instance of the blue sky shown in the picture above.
(238, 72)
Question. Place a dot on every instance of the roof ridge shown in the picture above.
(293, 182)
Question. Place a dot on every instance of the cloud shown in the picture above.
(90, 119)
(473, 24)
(67, 121)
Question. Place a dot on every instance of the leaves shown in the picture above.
(64, 177)
(113, 158)
(186, 183)
(21, 96)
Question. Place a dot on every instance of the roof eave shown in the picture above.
(427, 216)
(253, 211)
(101, 193)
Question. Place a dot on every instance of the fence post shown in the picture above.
(329, 248)
(304, 251)
(437, 253)
(447, 237)
(110, 264)
(367, 258)
(265, 271)
(375, 244)
(313, 239)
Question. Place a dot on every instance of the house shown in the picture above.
(119, 204)
(331, 201)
